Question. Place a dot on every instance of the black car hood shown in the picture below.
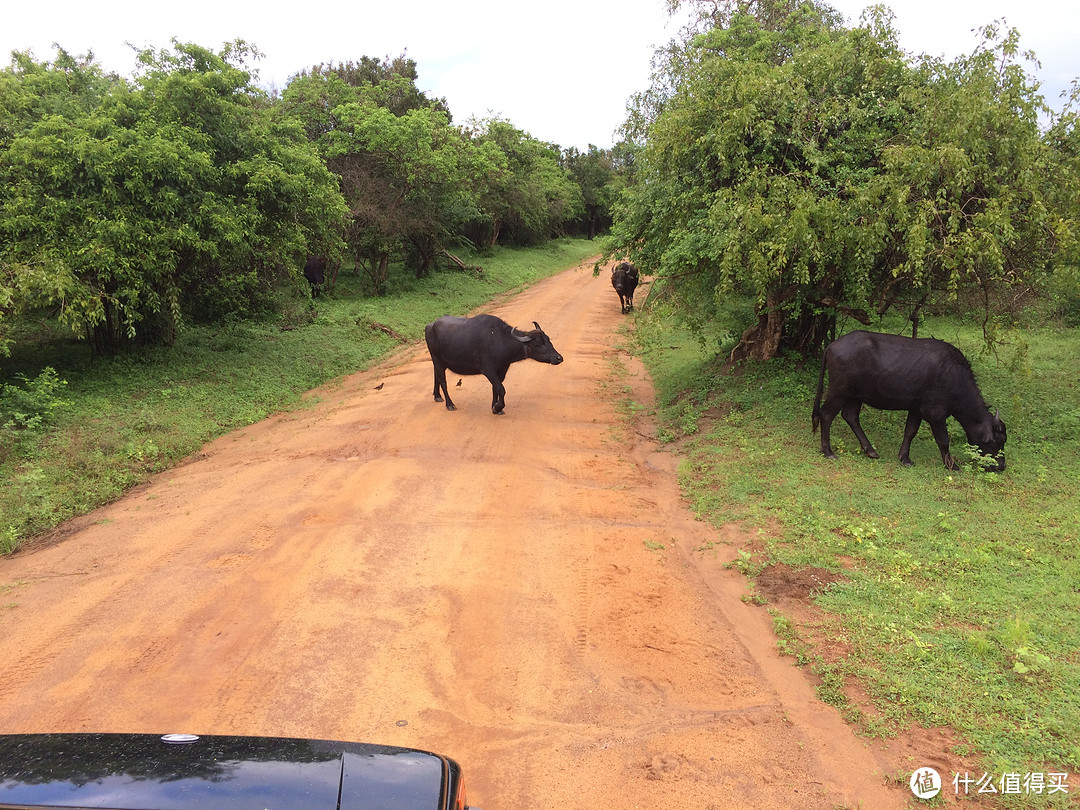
(146, 772)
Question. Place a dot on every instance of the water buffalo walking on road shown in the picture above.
(483, 345)
(624, 278)
(928, 378)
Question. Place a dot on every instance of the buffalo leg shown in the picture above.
(910, 429)
(498, 398)
(826, 414)
(941, 436)
(498, 394)
(851, 416)
(440, 383)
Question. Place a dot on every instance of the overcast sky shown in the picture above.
(561, 70)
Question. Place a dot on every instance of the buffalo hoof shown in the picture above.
(438, 398)
(907, 462)
(830, 454)
(872, 453)
(497, 409)
(450, 406)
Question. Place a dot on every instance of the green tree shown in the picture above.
(175, 197)
(530, 196)
(405, 177)
(30, 92)
(598, 177)
(405, 171)
(819, 170)
(266, 199)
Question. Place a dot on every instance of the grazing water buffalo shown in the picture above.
(315, 273)
(624, 278)
(928, 378)
(483, 345)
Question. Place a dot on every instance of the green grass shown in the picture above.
(112, 422)
(960, 590)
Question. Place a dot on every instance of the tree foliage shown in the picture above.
(415, 183)
(824, 172)
(135, 206)
(129, 207)
(404, 170)
(597, 174)
(528, 196)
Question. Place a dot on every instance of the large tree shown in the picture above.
(530, 196)
(597, 175)
(407, 179)
(406, 172)
(823, 171)
(134, 207)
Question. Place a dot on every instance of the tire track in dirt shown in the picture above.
(519, 592)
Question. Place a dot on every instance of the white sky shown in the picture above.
(561, 70)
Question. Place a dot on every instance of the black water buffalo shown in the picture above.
(483, 345)
(928, 378)
(624, 278)
(315, 273)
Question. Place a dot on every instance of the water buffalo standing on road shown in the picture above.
(624, 278)
(483, 345)
(928, 378)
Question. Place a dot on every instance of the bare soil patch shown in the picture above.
(523, 593)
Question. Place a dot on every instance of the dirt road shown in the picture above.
(520, 592)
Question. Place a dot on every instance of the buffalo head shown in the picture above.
(538, 345)
(989, 437)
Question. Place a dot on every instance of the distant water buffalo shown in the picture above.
(483, 345)
(315, 273)
(928, 378)
(624, 278)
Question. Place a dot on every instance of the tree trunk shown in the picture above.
(761, 341)
(383, 274)
(105, 336)
(473, 269)
(915, 313)
(805, 328)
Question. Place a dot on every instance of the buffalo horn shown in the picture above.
(524, 337)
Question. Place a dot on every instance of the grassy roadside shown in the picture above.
(956, 603)
(101, 426)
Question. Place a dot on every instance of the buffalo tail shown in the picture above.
(815, 418)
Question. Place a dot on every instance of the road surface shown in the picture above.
(520, 592)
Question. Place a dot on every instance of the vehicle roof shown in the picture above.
(148, 772)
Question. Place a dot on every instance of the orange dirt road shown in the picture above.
(519, 592)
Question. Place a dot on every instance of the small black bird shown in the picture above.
(380, 385)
